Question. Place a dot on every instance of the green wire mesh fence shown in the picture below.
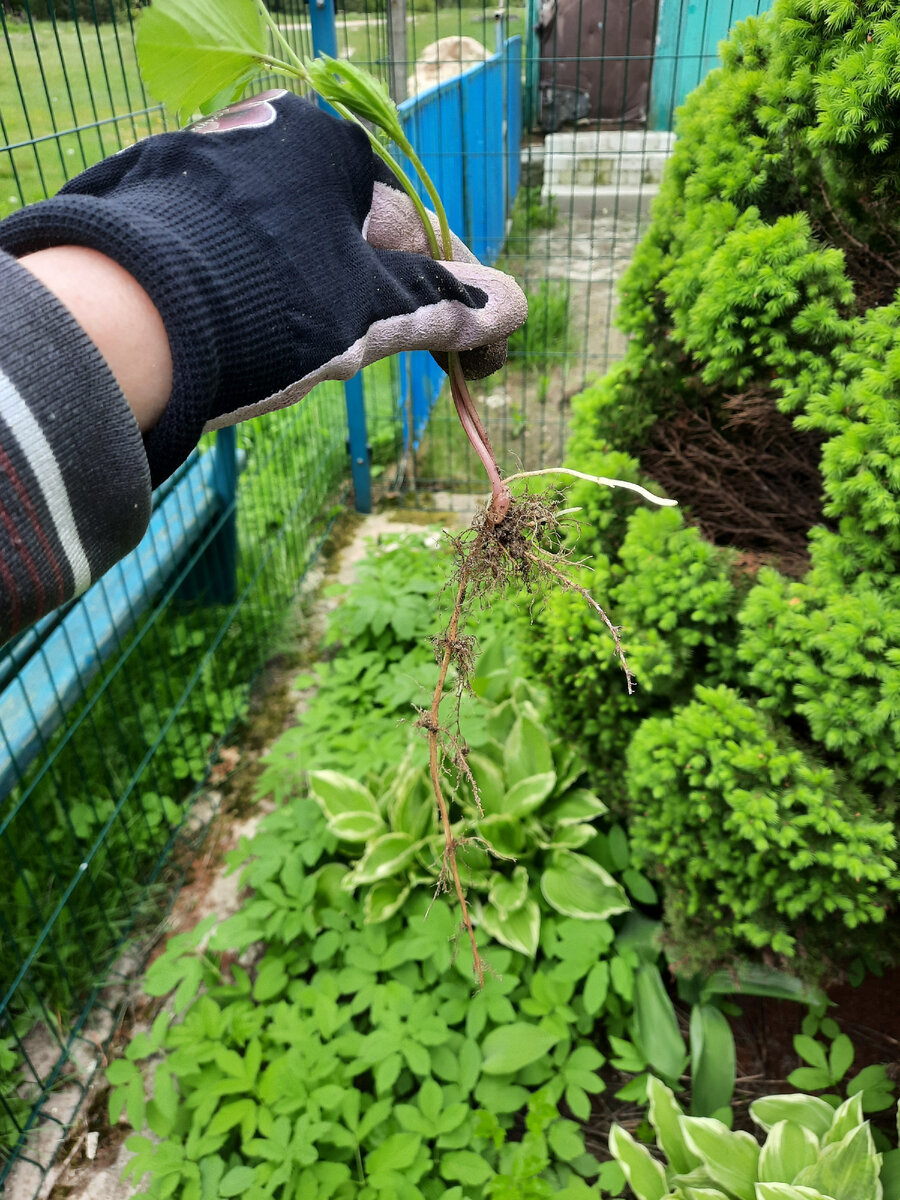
(90, 817)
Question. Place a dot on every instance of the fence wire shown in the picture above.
(89, 823)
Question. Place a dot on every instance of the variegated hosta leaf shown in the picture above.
(384, 899)
(789, 1148)
(576, 886)
(847, 1116)
(811, 1112)
(849, 1169)
(645, 1175)
(664, 1117)
(520, 930)
(385, 856)
(506, 895)
(731, 1158)
(788, 1191)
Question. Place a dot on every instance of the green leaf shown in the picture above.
(237, 1181)
(788, 1191)
(527, 752)
(365, 96)
(890, 1174)
(385, 856)
(639, 886)
(384, 899)
(576, 886)
(789, 1148)
(506, 895)
(730, 1158)
(848, 1169)
(596, 988)
(509, 1048)
(644, 1174)
(466, 1166)
(810, 1079)
(431, 1099)
(396, 1153)
(840, 1057)
(811, 1112)
(575, 807)
(665, 1114)
(656, 1032)
(755, 980)
(520, 930)
(811, 1051)
(528, 794)
(712, 1061)
(190, 51)
(566, 1140)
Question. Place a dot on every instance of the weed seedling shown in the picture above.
(513, 542)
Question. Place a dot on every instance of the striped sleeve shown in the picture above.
(74, 481)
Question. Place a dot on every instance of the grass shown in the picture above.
(71, 95)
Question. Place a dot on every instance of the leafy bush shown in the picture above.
(750, 834)
(675, 596)
(760, 308)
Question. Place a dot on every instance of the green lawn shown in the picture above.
(73, 95)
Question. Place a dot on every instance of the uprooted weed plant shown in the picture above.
(514, 541)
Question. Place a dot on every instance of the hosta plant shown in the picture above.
(810, 1151)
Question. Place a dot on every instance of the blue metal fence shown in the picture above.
(687, 39)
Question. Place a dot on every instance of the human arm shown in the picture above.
(225, 270)
(74, 480)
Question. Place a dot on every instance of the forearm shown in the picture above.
(74, 482)
(119, 318)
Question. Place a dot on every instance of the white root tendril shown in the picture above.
(601, 479)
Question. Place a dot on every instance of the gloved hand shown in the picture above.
(279, 252)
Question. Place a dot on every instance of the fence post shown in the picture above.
(397, 52)
(324, 40)
(532, 64)
(358, 444)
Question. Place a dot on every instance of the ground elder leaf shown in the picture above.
(191, 51)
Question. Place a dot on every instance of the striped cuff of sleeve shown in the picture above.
(74, 481)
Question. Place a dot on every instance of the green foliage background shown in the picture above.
(763, 739)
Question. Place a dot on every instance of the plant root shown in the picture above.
(520, 546)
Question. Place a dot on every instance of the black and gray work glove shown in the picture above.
(280, 252)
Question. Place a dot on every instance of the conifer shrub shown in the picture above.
(761, 388)
(750, 835)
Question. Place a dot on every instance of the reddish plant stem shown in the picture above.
(477, 435)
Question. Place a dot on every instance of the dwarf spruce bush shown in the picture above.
(744, 827)
(762, 314)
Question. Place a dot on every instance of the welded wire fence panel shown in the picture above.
(111, 708)
(602, 80)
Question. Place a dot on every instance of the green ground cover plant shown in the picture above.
(758, 388)
(327, 1039)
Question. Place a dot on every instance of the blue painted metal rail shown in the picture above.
(46, 671)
